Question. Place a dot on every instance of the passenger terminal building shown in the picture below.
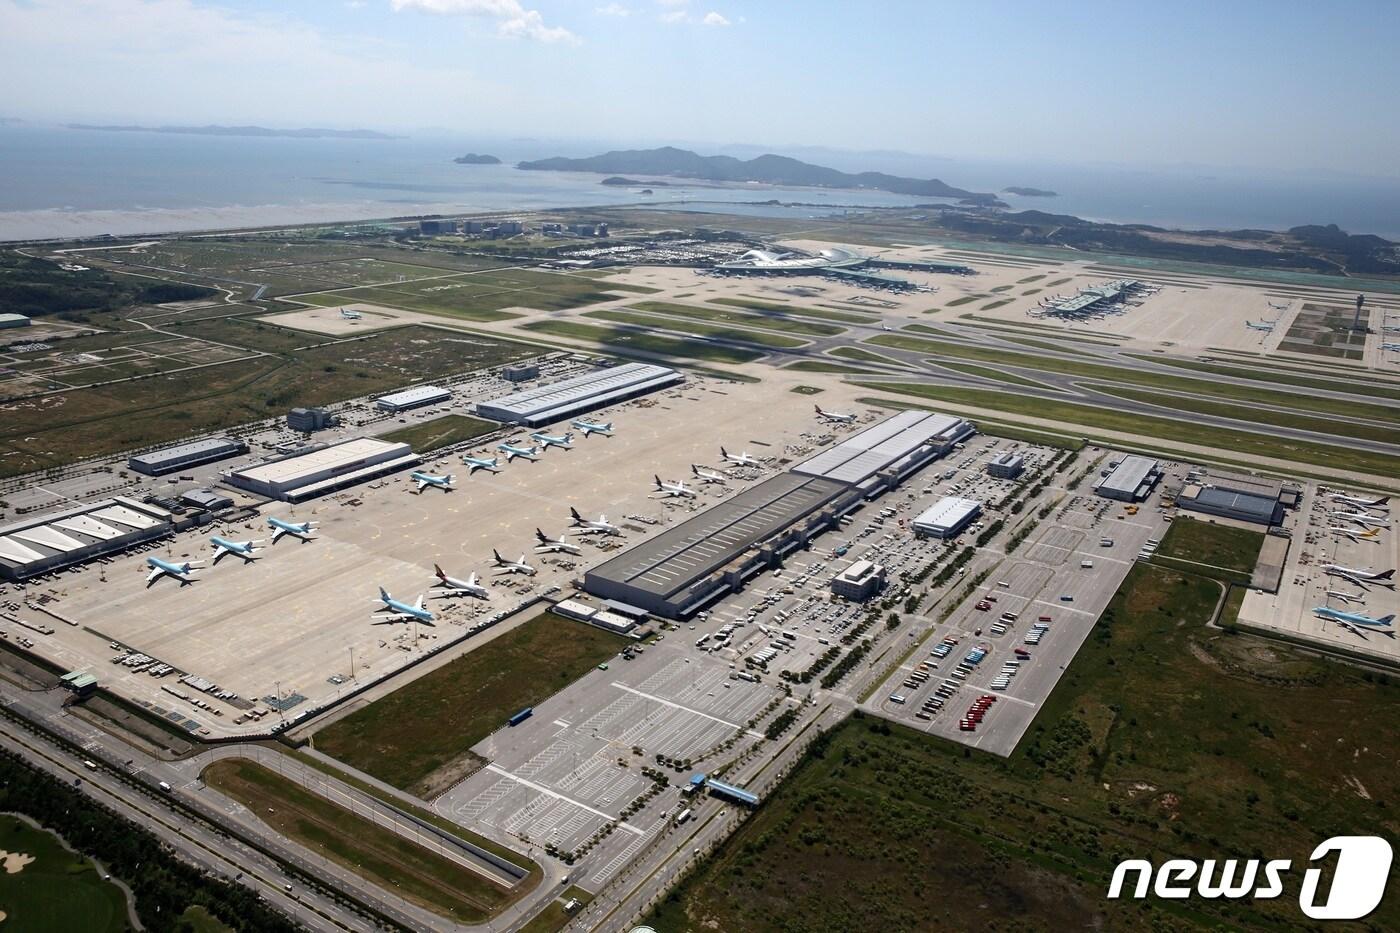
(675, 573)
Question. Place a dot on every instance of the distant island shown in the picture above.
(1030, 192)
(213, 130)
(620, 182)
(472, 158)
(765, 169)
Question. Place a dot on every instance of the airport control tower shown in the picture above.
(1356, 318)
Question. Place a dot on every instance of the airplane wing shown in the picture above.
(277, 533)
(150, 577)
(419, 604)
(422, 484)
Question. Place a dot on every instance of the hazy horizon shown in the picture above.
(1252, 86)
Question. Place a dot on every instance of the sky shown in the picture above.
(1284, 85)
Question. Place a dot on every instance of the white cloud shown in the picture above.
(675, 16)
(672, 2)
(714, 19)
(613, 9)
(512, 19)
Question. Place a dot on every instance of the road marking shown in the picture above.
(665, 702)
(540, 788)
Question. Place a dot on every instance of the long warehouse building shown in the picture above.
(683, 568)
(547, 404)
(170, 459)
(63, 539)
(307, 475)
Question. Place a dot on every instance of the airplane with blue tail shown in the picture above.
(1355, 618)
(224, 547)
(512, 451)
(400, 611)
(161, 568)
(282, 527)
(592, 427)
(481, 463)
(564, 441)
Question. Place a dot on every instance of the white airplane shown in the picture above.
(1357, 536)
(451, 586)
(1382, 504)
(591, 427)
(282, 527)
(224, 547)
(512, 566)
(511, 451)
(396, 611)
(742, 459)
(678, 489)
(566, 440)
(1390, 346)
(835, 416)
(558, 545)
(588, 527)
(481, 463)
(424, 480)
(1362, 518)
(350, 315)
(1363, 578)
(1347, 597)
(706, 476)
(181, 572)
(1266, 326)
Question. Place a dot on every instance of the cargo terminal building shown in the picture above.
(63, 539)
(1239, 496)
(716, 551)
(304, 476)
(160, 462)
(578, 395)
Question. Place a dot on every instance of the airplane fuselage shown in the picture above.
(1354, 618)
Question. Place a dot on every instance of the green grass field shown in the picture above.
(58, 891)
(1164, 739)
(761, 320)
(418, 737)
(865, 356)
(817, 366)
(440, 432)
(1282, 376)
(762, 338)
(753, 304)
(1166, 430)
(378, 855)
(1205, 542)
(972, 369)
(673, 347)
(478, 296)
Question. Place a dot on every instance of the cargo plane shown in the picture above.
(707, 476)
(1357, 536)
(424, 480)
(224, 547)
(589, 527)
(1382, 504)
(1363, 578)
(282, 527)
(181, 572)
(1361, 518)
(451, 586)
(590, 427)
(1347, 597)
(1356, 618)
(512, 566)
(558, 545)
(835, 416)
(481, 463)
(1266, 326)
(564, 441)
(349, 315)
(677, 489)
(512, 451)
(396, 611)
(742, 459)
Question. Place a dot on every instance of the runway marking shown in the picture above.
(540, 788)
(665, 702)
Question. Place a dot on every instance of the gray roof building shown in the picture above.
(546, 404)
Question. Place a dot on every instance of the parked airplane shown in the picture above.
(511, 451)
(424, 480)
(512, 566)
(1266, 326)
(1357, 536)
(1390, 346)
(1361, 518)
(396, 611)
(179, 572)
(224, 547)
(481, 463)
(1362, 578)
(835, 416)
(590, 427)
(742, 459)
(668, 490)
(1347, 597)
(451, 586)
(1355, 618)
(587, 527)
(282, 527)
(706, 476)
(565, 440)
(558, 545)
(350, 315)
(1382, 504)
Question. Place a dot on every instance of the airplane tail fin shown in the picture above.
(1386, 619)
(1385, 500)
(383, 594)
(541, 535)
(497, 554)
(438, 570)
(723, 453)
(694, 469)
(1388, 575)
(658, 481)
(1370, 533)
(574, 512)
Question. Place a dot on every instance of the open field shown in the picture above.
(1089, 417)
(817, 366)
(622, 338)
(753, 304)
(740, 335)
(986, 372)
(479, 296)
(764, 321)
(418, 737)
(54, 889)
(441, 432)
(1283, 376)
(1204, 542)
(379, 855)
(1108, 772)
